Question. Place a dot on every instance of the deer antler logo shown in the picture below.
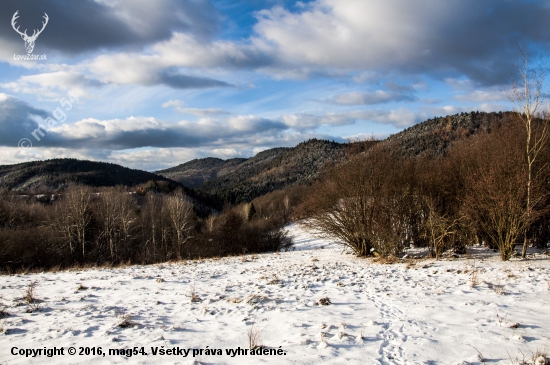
(29, 41)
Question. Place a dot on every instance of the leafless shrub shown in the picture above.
(254, 337)
(437, 228)
(361, 205)
(495, 202)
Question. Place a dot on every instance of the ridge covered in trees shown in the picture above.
(59, 173)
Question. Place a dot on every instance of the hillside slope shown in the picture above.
(273, 169)
(58, 173)
(197, 172)
(414, 312)
(435, 136)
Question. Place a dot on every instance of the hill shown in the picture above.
(435, 136)
(196, 172)
(273, 169)
(58, 173)
(241, 180)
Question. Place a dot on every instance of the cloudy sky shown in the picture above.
(151, 84)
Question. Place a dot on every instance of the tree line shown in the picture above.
(110, 226)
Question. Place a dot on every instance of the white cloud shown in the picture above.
(52, 85)
(178, 105)
(400, 118)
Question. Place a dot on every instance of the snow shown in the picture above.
(421, 312)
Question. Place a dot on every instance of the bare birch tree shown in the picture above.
(527, 96)
(180, 212)
(72, 218)
(116, 214)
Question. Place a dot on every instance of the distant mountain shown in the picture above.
(58, 173)
(197, 172)
(242, 181)
(436, 135)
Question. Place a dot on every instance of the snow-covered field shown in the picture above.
(425, 312)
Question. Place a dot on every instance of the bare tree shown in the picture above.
(72, 218)
(527, 96)
(156, 228)
(180, 213)
(116, 214)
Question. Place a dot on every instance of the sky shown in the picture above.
(151, 84)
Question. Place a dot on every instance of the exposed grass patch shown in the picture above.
(29, 297)
(254, 337)
(193, 294)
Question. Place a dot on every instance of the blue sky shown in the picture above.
(162, 82)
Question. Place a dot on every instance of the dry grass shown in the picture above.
(341, 331)
(274, 281)
(362, 335)
(29, 296)
(388, 260)
(3, 312)
(539, 357)
(81, 287)
(30, 299)
(255, 299)
(126, 322)
(499, 289)
(193, 294)
(254, 337)
(501, 319)
(235, 300)
(474, 278)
